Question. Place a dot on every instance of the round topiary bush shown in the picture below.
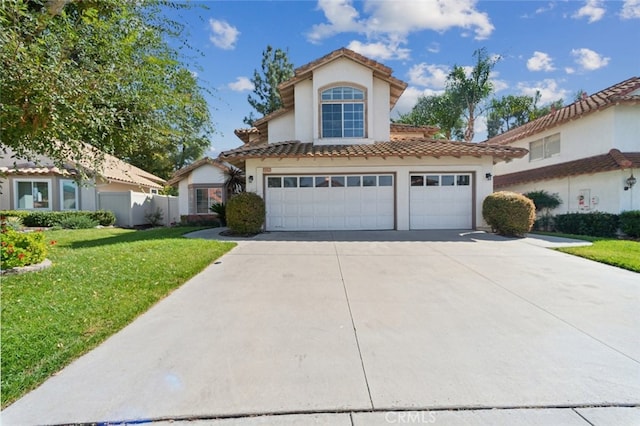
(245, 213)
(509, 213)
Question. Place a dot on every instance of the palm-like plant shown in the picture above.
(235, 182)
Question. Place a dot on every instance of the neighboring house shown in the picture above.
(117, 186)
(331, 160)
(586, 152)
(200, 185)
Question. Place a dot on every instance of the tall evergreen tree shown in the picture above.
(275, 69)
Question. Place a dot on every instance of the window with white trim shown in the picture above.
(206, 197)
(545, 147)
(342, 112)
(68, 195)
(32, 194)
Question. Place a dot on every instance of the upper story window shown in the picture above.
(342, 112)
(545, 147)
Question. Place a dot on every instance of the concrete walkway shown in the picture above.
(447, 328)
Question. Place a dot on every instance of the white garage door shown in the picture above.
(330, 202)
(441, 201)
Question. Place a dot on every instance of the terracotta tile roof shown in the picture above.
(399, 131)
(379, 70)
(112, 169)
(177, 176)
(245, 134)
(616, 94)
(613, 160)
(31, 169)
(413, 147)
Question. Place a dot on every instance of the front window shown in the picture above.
(545, 147)
(68, 195)
(33, 194)
(342, 112)
(206, 197)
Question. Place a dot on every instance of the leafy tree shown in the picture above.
(508, 112)
(512, 111)
(78, 73)
(469, 90)
(276, 69)
(437, 110)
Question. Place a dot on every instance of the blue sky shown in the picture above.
(556, 47)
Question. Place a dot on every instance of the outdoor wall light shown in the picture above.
(631, 180)
(250, 179)
(488, 176)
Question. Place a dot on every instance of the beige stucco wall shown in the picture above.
(401, 167)
(603, 192)
(202, 175)
(594, 134)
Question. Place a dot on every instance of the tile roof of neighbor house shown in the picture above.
(178, 175)
(411, 147)
(613, 160)
(617, 94)
(112, 168)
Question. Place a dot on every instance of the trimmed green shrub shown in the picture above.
(630, 223)
(78, 222)
(245, 213)
(15, 213)
(509, 213)
(103, 217)
(594, 224)
(200, 220)
(154, 217)
(47, 219)
(21, 248)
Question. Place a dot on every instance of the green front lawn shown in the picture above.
(101, 279)
(621, 253)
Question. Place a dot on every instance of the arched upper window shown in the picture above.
(342, 112)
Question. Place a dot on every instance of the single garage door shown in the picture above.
(441, 201)
(330, 202)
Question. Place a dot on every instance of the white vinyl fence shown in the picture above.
(131, 207)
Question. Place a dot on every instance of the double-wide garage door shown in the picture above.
(367, 201)
(330, 202)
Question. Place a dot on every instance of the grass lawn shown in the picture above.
(621, 253)
(101, 279)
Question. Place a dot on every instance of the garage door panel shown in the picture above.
(332, 207)
(440, 201)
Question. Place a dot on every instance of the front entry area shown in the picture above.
(321, 202)
(441, 201)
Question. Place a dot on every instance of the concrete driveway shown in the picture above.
(448, 328)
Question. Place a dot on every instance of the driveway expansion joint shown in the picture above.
(353, 324)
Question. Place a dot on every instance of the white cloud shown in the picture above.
(588, 59)
(569, 70)
(434, 47)
(548, 88)
(379, 50)
(592, 9)
(630, 9)
(429, 75)
(498, 85)
(223, 34)
(540, 61)
(241, 84)
(394, 20)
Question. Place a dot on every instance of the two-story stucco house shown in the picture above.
(586, 152)
(331, 160)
